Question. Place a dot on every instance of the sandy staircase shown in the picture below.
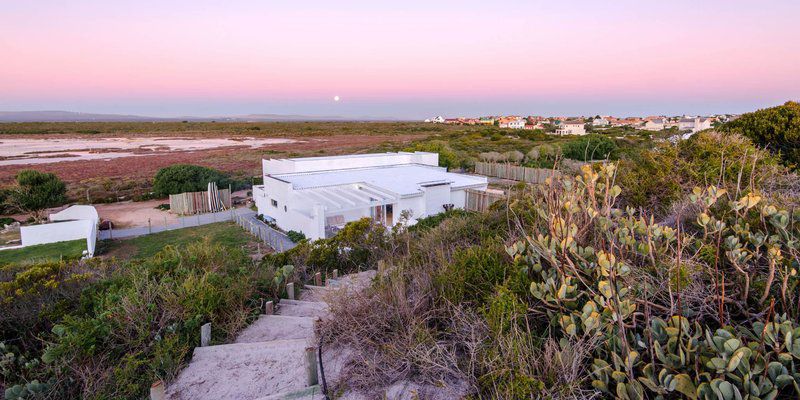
(267, 361)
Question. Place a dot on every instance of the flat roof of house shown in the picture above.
(366, 155)
(402, 180)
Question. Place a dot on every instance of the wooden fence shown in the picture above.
(191, 203)
(514, 172)
(480, 200)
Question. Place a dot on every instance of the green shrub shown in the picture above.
(182, 178)
(590, 147)
(36, 191)
(295, 236)
(775, 128)
(434, 220)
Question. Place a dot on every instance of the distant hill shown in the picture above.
(69, 116)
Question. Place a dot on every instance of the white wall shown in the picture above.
(435, 198)
(61, 232)
(458, 198)
(310, 164)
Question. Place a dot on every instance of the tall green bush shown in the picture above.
(182, 178)
(590, 147)
(775, 128)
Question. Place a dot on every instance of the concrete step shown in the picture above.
(308, 393)
(317, 294)
(299, 308)
(275, 327)
(243, 371)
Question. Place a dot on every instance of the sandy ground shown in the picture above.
(124, 214)
(25, 151)
(128, 214)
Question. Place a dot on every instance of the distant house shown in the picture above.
(695, 124)
(486, 121)
(657, 124)
(571, 127)
(437, 120)
(600, 122)
(511, 123)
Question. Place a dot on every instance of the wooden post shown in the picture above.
(318, 279)
(290, 290)
(205, 335)
(269, 308)
(149, 226)
(335, 274)
(311, 366)
(157, 390)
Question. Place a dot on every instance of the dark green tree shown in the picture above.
(180, 178)
(36, 191)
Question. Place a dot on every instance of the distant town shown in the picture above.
(583, 125)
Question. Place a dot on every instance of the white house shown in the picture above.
(75, 222)
(571, 128)
(600, 122)
(512, 123)
(657, 124)
(437, 119)
(695, 124)
(319, 195)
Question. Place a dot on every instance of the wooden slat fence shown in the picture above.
(514, 172)
(480, 200)
(191, 203)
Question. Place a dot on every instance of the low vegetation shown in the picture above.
(107, 328)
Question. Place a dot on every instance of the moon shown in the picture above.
(335, 98)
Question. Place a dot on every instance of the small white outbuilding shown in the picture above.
(72, 223)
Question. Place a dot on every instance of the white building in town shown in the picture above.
(695, 124)
(319, 195)
(512, 123)
(600, 122)
(571, 128)
(657, 124)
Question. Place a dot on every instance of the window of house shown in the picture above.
(274, 203)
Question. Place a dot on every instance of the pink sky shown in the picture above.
(407, 60)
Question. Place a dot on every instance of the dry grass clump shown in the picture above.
(396, 332)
